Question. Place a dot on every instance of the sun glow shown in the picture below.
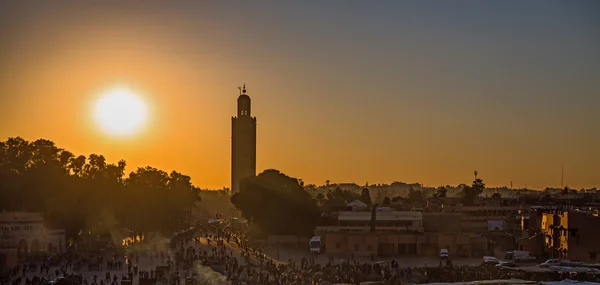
(120, 112)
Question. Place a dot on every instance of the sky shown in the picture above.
(346, 91)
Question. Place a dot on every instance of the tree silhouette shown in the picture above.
(416, 197)
(337, 199)
(365, 196)
(470, 193)
(273, 201)
(78, 193)
(440, 192)
(386, 201)
(478, 185)
(320, 198)
(373, 222)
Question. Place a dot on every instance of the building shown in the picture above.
(397, 233)
(564, 233)
(358, 205)
(243, 142)
(488, 215)
(26, 232)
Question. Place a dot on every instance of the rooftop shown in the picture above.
(11, 217)
(380, 216)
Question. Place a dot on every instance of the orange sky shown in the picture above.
(329, 106)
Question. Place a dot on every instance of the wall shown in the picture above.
(394, 244)
(475, 217)
(442, 222)
(8, 260)
(583, 237)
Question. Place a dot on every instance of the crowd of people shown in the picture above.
(68, 268)
(230, 259)
(251, 266)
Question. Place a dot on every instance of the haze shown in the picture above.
(347, 91)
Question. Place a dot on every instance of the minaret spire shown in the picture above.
(243, 141)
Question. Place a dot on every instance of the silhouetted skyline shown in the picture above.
(353, 91)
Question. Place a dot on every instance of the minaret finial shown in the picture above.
(244, 90)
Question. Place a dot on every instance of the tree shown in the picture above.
(386, 201)
(337, 199)
(478, 186)
(496, 195)
(373, 222)
(398, 198)
(365, 196)
(78, 193)
(416, 197)
(440, 192)
(274, 201)
(470, 193)
(76, 165)
(320, 198)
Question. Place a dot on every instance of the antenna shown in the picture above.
(240, 88)
(562, 174)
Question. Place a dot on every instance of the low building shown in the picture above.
(396, 233)
(490, 215)
(26, 232)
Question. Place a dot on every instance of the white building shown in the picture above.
(358, 205)
(26, 232)
(386, 219)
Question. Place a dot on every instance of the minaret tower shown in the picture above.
(243, 142)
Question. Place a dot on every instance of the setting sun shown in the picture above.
(120, 112)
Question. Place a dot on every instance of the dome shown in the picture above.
(243, 103)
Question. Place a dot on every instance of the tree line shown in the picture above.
(88, 193)
(75, 192)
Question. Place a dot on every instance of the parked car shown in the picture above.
(490, 260)
(507, 264)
